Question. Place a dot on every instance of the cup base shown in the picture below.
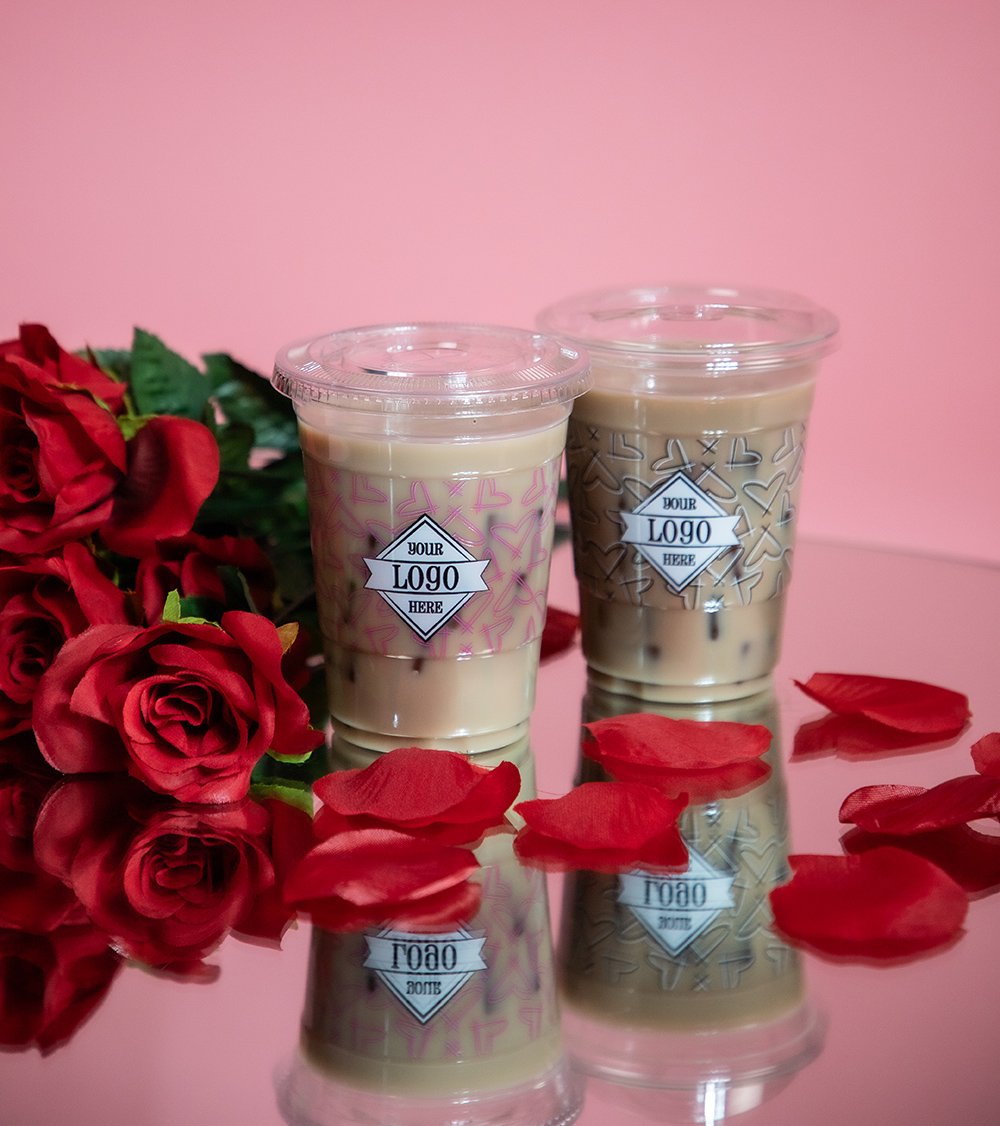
(473, 703)
(307, 1097)
(678, 693)
(735, 1068)
(488, 742)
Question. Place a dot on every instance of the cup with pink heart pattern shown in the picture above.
(432, 459)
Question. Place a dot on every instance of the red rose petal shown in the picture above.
(559, 631)
(886, 903)
(604, 824)
(914, 809)
(173, 466)
(366, 876)
(971, 859)
(853, 735)
(430, 792)
(643, 739)
(557, 856)
(907, 705)
(328, 822)
(986, 754)
(442, 911)
(377, 866)
(699, 785)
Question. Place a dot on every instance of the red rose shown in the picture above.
(30, 899)
(66, 470)
(186, 708)
(166, 881)
(38, 345)
(63, 457)
(173, 465)
(43, 601)
(190, 564)
(51, 983)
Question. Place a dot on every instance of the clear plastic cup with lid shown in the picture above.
(432, 456)
(684, 465)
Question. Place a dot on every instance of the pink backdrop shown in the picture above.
(232, 176)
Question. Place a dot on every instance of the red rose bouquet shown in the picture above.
(153, 549)
(155, 739)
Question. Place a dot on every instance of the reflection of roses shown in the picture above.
(55, 966)
(166, 881)
(30, 899)
(185, 707)
(43, 601)
(50, 984)
(66, 469)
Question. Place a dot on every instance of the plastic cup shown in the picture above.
(684, 465)
(432, 456)
(676, 982)
(447, 1027)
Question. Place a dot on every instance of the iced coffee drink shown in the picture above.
(439, 1027)
(647, 960)
(432, 457)
(684, 466)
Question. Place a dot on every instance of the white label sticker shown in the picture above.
(676, 909)
(424, 971)
(426, 576)
(679, 529)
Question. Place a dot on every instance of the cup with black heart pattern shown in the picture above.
(684, 467)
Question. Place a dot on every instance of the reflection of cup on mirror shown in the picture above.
(462, 1026)
(671, 980)
(684, 464)
(432, 456)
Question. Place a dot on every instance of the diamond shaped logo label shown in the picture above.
(675, 910)
(422, 971)
(679, 529)
(426, 576)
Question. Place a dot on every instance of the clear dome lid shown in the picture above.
(433, 369)
(712, 330)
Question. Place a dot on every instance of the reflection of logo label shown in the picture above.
(426, 576)
(679, 529)
(676, 909)
(424, 971)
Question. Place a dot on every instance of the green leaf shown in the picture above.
(172, 607)
(235, 442)
(131, 424)
(248, 398)
(270, 772)
(292, 791)
(163, 382)
(115, 361)
(293, 759)
(177, 609)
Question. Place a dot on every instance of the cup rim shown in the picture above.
(433, 368)
(709, 330)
